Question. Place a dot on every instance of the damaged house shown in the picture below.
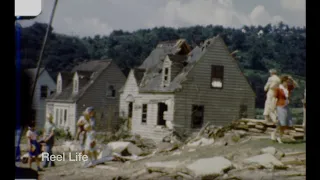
(93, 83)
(182, 89)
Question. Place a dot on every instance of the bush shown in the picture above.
(60, 133)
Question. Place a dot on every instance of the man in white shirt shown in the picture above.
(270, 103)
(48, 138)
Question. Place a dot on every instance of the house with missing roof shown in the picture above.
(182, 89)
(45, 86)
(93, 83)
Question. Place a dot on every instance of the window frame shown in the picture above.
(144, 113)
(193, 116)
(215, 75)
(41, 91)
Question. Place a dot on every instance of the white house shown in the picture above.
(44, 88)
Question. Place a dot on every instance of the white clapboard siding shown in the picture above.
(150, 129)
(57, 108)
(130, 89)
(39, 104)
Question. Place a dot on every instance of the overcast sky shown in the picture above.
(91, 17)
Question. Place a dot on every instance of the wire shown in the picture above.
(42, 48)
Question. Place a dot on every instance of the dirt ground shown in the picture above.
(245, 148)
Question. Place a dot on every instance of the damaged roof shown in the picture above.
(151, 82)
(87, 72)
(181, 66)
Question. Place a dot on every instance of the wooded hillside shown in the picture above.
(260, 48)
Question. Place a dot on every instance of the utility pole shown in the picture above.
(42, 49)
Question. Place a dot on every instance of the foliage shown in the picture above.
(280, 46)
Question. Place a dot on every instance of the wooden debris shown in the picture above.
(261, 127)
(255, 130)
(295, 154)
(299, 129)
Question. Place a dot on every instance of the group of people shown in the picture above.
(277, 103)
(47, 141)
(85, 133)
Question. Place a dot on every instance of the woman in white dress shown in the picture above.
(90, 144)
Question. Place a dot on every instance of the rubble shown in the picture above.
(261, 126)
(164, 167)
(201, 142)
(265, 160)
(212, 167)
(125, 148)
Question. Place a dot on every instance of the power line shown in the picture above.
(42, 48)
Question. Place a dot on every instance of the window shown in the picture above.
(166, 72)
(44, 91)
(197, 116)
(57, 116)
(243, 111)
(61, 115)
(130, 110)
(111, 92)
(65, 116)
(217, 76)
(75, 86)
(166, 79)
(144, 113)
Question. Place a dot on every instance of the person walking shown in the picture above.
(270, 103)
(282, 94)
(88, 117)
(34, 146)
(48, 138)
(90, 145)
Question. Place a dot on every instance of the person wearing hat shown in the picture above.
(48, 138)
(270, 103)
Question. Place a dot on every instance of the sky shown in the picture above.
(101, 17)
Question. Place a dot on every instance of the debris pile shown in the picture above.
(260, 126)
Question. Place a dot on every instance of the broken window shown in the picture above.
(130, 110)
(243, 111)
(216, 76)
(44, 91)
(144, 113)
(162, 107)
(111, 92)
(197, 116)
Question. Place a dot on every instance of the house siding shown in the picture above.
(221, 106)
(96, 96)
(129, 88)
(70, 122)
(150, 129)
(39, 104)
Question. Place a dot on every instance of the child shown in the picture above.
(90, 145)
(34, 146)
